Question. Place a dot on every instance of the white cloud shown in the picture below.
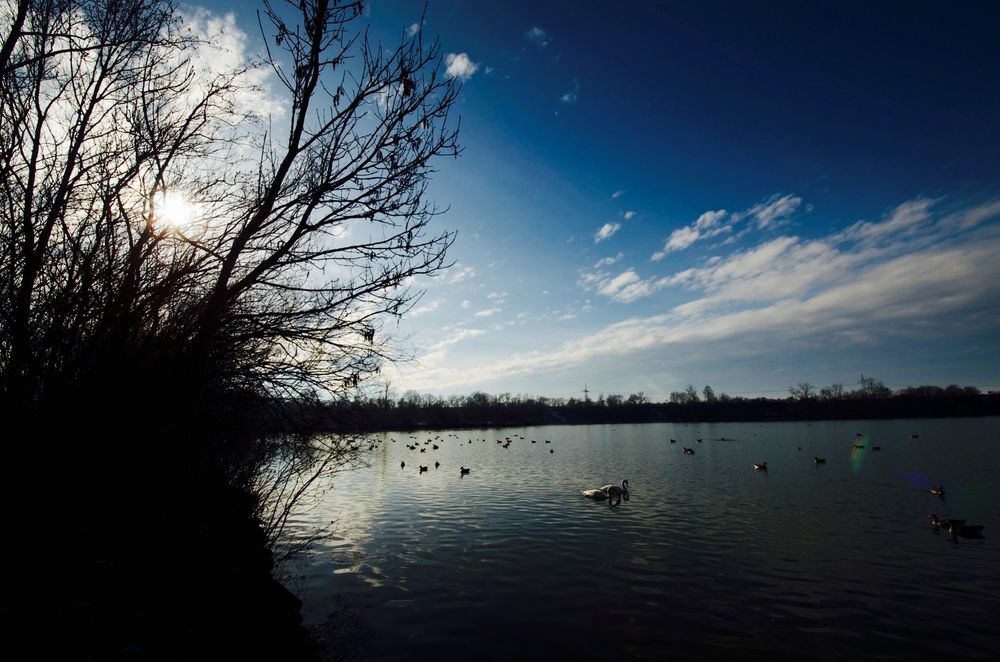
(488, 312)
(572, 95)
(617, 194)
(629, 215)
(606, 231)
(537, 36)
(788, 294)
(427, 308)
(413, 29)
(625, 287)
(460, 66)
(459, 273)
(774, 211)
(708, 225)
(466, 303)
(221, 47)
(608, 261)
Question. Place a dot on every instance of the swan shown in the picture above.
(616, 491)
(597, 495)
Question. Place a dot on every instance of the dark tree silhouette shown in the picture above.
(181, 275)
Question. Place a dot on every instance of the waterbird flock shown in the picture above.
(615, 494)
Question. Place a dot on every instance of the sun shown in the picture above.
(173, 209)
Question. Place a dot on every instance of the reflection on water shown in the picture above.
(831, 560)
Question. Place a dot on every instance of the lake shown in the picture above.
(832, 561)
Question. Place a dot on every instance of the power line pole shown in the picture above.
(586, 394)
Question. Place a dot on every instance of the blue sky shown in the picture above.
(746, 195)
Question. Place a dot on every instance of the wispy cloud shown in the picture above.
(617, 194)
(427, 307)
(629, 215)
(774, 211)
(572, 95)
(413, 29)
(458, 273)
(488, 312)
(788, 294)
(606, 231)
(708, 224)
(537, 36)
(460, 66)
(608, 261)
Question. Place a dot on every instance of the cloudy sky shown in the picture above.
(746, 195)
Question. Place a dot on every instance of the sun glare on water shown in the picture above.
(174, 210)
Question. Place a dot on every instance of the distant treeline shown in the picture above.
(871, 400)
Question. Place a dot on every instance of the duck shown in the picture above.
(423, 468)
(437, 464)
(462, 471)
(688, 451)
(613, 491)
(760, 467)
(876, 448)
(965, 530)
(402, 465)
(937, 490)
(673, 441)
(944, 523)
(859, 445)
(819, 460)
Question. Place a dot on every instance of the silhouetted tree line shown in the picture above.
(181, 279)
(870, 400)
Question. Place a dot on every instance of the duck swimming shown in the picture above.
(938, 490)
(760, 467)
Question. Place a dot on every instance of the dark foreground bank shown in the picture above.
(115, 559)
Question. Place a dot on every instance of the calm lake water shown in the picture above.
(833, 561)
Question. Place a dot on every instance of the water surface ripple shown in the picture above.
(830, 561)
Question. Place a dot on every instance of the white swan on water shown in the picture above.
(608, 492)
(617, 491)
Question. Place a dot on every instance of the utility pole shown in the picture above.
(586, 394)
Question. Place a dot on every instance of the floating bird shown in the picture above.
(965, 530)
(673, 441)
(402, 465)
(914, 436)
(760, 467)
(819, 460)
(876, 448)
(434, 446)
(596, 495)
(422, 468)
(462, 471)
(548, 441)
(938, 490)
(621, 492)
(698, 440)
(859, 445)
(688, 451)
(437, 464)
(944, 523)
(551, 451)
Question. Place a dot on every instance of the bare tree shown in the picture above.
(302, 231)
(802, 391)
